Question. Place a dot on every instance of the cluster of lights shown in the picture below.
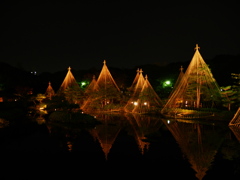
(34, 72)
(136, 103)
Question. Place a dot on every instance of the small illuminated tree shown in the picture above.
(232, 96)
(74, 95)
(40, 97)
(38, 100)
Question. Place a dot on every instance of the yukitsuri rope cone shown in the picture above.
(70, 89)
(103, 94)
(143, 99)
(235, 121)
(49, 91)
(197, 95)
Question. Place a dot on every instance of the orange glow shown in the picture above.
(140, 92)
(194, 89)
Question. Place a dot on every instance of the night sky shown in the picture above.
(50, 36)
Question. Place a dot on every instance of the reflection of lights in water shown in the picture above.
(3, 123)
(43, 111)
(69, 144)
(40, 120)
(43, 107)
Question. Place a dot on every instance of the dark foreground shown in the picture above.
(120, 147)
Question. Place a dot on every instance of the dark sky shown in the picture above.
(50, 36)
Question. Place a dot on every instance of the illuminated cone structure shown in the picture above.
(104, 94)
(49, 91)
(89, 93)
(143, 98)
(136, 80)
(134, 91)
(70, 89)
(197, 94)
(91, 86)
(234, 124)
(236, 131)
(180, 76)
(235, 121)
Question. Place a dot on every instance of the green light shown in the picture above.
(83, 84)
(167, 83)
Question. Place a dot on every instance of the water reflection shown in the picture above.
(140, 126)
(3, 123)
(135, 126)
(236, 131)
(198, 142)
(107, 132)
(133, 137)
(190, 149)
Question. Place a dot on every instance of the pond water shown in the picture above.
(122, 146)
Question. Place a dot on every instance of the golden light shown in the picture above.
(69, 144)
(40, 120)
(43, 107)
(145, 103)
(135, 103)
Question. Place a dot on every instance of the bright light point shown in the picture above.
(168, 121)
(168, 82)
(83, 84)
(145, 103)
(135, 103)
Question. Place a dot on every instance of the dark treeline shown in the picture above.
(12, 78)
